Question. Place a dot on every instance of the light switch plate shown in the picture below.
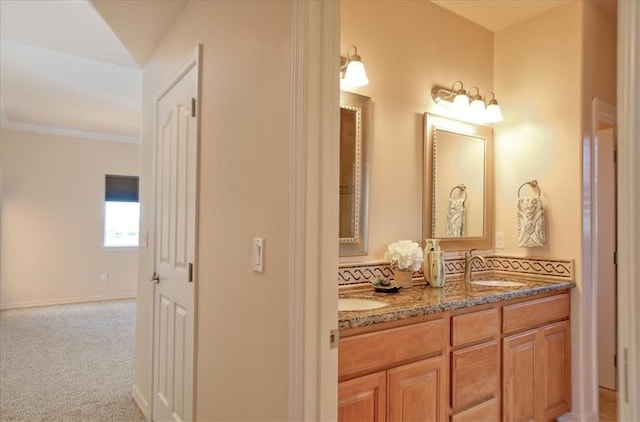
(144, 238)
(258, 254)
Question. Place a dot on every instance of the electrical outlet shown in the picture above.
(104, 277)
(499, 240)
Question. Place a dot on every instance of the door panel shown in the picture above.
(175, 214)
(363, 398)
(606, 277)
(417, 391)
(555, 369)
(520, 374)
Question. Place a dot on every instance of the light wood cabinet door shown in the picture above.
(418, 391)
(555, 370)
(520, 377)
(475, 375)
(363, 398)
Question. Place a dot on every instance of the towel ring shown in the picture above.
(462, 188)
(533, 183)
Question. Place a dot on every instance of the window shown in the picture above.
(121, 211)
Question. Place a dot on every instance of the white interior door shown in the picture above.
(606, 277)
(175, 240)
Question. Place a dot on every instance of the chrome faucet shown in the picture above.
(468, 259)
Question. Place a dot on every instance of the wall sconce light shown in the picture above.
(476, 109)
(352, 73)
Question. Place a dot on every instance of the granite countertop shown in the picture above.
(423, 299)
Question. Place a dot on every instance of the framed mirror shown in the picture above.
(354, 173)
(458, 183)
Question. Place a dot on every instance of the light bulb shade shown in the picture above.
(477, 106)
(493, 113)
(461, 101)
(355, 74)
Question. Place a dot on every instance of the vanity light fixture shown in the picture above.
(478, 109)
(352, 73)
(461, 100)
(493, 113)
(477, 105)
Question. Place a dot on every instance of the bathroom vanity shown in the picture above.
(460, 353)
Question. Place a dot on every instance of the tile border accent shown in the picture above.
(364, 272)
(549, 269)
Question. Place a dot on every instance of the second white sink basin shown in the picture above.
(353, 304)
(497, 283)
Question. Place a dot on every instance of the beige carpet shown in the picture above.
(68, 363)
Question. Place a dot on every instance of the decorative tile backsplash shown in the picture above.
(541, 268)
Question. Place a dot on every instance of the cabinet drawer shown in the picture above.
(475, 326)
(368, 352)
(487, 411)
(534, 313)
(475, 374)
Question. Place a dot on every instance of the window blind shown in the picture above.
(121, 188)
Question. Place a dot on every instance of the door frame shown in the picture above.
(628, 108)
(193, 60)
(314, 162)
(601, 112)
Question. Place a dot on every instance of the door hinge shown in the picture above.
(615, 155)
(193, 107)
(334, 338)
(190, 272)
(615, 257)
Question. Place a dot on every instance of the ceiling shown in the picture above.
(74, 67)
(496, 15)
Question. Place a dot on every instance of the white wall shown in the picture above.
(53, 220)
(242, 353)
(407, 47)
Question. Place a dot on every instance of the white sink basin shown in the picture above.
(353, 304)
(497, 283)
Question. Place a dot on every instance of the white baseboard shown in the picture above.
(570, 417)
(141, 402)
(34, 303)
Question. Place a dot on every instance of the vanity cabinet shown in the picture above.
(503, 361)
(394, 374)
(536, 364)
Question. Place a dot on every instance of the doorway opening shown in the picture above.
(604, 272)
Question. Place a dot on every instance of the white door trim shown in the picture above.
(600, 112)
(192, 60)
(628, 109)
(313, 246)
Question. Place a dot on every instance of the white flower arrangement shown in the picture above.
(406, 255)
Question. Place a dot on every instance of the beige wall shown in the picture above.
(242, 330)
(53, 220)
(547, 70)
(538, 77)
(407, 47)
